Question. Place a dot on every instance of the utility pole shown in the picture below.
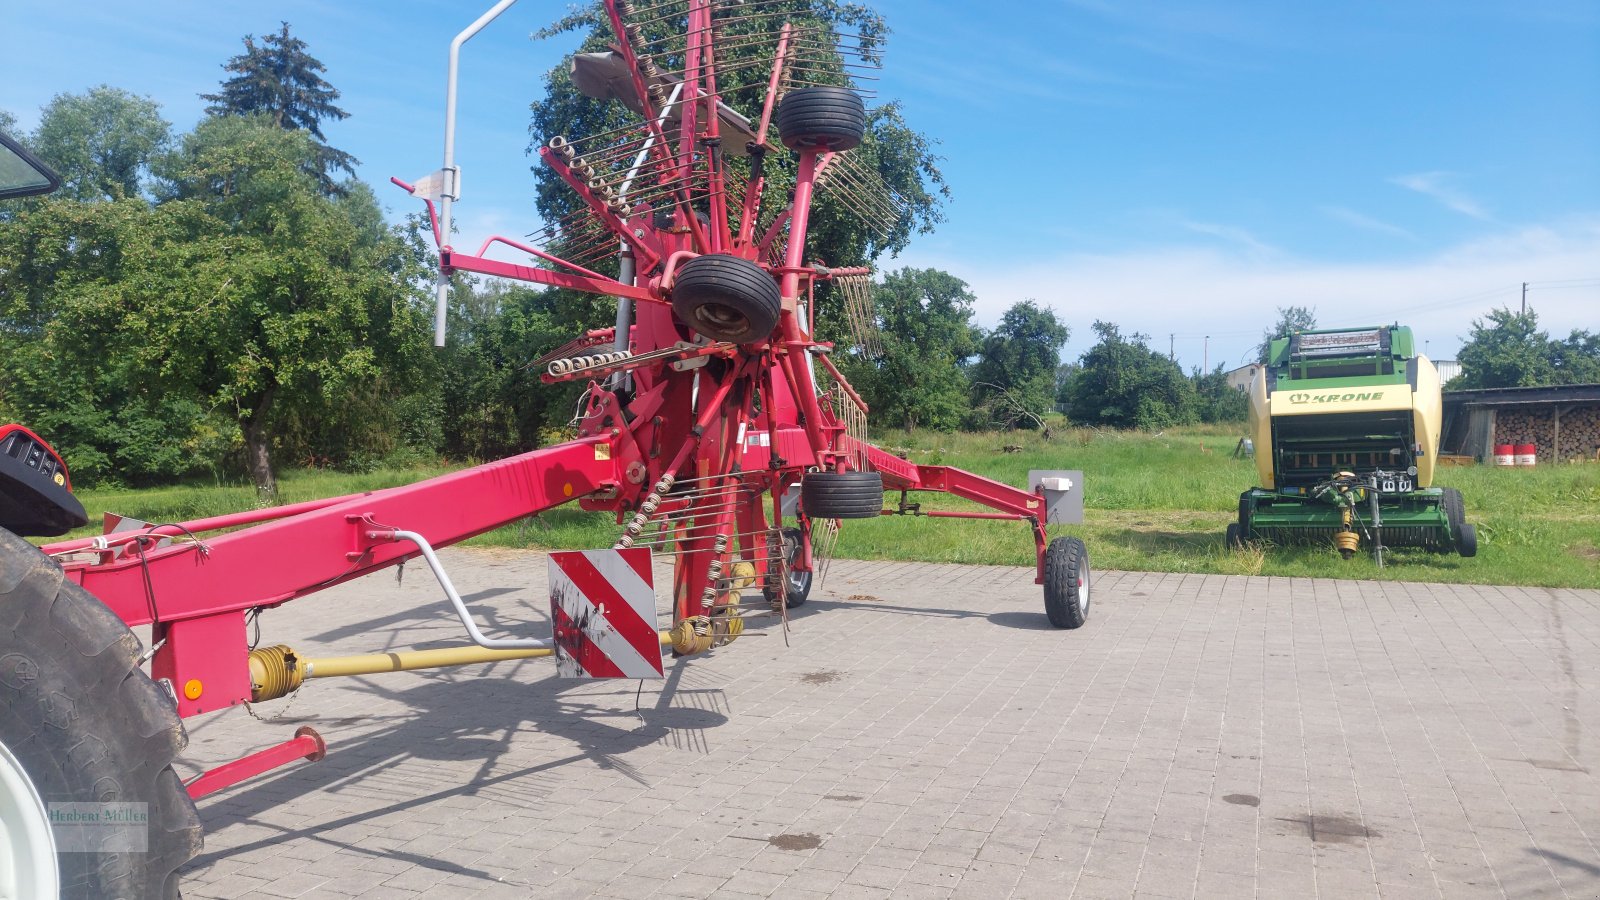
(1524, 298)
(1206, 367)
(1171, 356)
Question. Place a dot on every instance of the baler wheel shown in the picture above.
(797, 587)
(727, 298)
(80, 722)
(1467, 541)
(1455, 513)
(1233, 540)
(1066, 582)
(822, 118)
(1245, 508)
(842, 495)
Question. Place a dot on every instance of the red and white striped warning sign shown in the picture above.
(603, 607)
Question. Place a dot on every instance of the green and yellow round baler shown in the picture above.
(1346, 431)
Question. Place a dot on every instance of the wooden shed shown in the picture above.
(1562, 421)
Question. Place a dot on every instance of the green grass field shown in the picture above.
(1155, 503)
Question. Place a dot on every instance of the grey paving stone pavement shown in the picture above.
(926, 734)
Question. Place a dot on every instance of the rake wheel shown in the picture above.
(797, 586)
(842, 495)
(727, 298)
(822, 118)
(1066, 582)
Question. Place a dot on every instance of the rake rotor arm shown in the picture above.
(450, 261)
(1011, 502)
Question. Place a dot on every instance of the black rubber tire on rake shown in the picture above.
(87, 725)
(727, 298)
(797, 587)
(822, 118)
(1066, 582)
(842, 495)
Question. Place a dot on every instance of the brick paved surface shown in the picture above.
(928, 735)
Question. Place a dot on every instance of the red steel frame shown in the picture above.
(689, 423)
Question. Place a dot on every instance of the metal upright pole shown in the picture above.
(441, 282)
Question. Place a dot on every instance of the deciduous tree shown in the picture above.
(292, 295)
(1217, 400)
(1015, 376)
(1122, 383)
(1510, 350)
(926, 332)
(100, 142)
(1290, 320)
(244, 304)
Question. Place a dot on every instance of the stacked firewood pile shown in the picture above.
(1580, 431)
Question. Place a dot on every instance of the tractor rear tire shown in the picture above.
(842, 495)
(797, 587)
(81, 723)
(1066, 582)
(1467, 541)
(822, 118)
(727, 298)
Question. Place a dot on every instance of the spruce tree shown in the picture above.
(278, 79)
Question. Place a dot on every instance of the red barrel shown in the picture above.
(1525, 454)
(1504, 455)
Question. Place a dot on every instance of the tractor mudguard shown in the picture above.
(35, 493)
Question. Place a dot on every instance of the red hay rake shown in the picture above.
(714, 423)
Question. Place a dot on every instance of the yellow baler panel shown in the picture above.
(1261, 427)
(1427, 415)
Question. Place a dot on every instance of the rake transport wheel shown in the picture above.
(822, 118)
(1066, 582)
(842, 495)
(726, 298)
(81, 723)
(797, 586)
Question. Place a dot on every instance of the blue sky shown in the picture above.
(1177, 168)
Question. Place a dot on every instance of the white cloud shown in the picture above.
(1436, 185)
(1366, 222)
(1233, 294)
(1232, 234)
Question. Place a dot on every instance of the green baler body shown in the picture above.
(1355, 400)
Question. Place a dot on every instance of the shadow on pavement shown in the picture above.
(1027, 621)
(471, 718)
